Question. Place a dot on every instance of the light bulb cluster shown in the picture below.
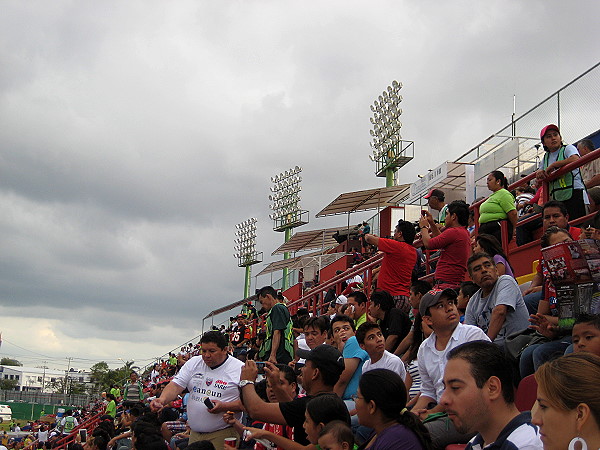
(284, 194)
(245, 242)
(386, 121)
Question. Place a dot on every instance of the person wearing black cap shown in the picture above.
(438, 308)
(324, 365)
(569, 187)
(435, 200)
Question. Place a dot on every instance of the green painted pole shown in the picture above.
(247, 281)
(389, 177)
(286, 255)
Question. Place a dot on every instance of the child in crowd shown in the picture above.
(465, 292)
(586, 334)
(336, 435)
(413, 378)
(417, 290)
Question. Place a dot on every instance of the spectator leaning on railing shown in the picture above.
(569, 187)
(499, 207)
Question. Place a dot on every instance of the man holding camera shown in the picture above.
(454, 243)
(399, 258)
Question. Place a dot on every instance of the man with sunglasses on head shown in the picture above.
(438, 308)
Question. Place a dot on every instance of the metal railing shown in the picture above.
(545, 192)
(89, 425)
(315, 297)
(573, 107)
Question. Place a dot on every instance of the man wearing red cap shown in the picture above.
(569, 187)
(435, 200)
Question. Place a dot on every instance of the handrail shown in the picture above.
(581, 161)
(365, 267)
(89, 425)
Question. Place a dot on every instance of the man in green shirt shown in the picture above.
(357, 308)
(116, 392)
(111, 406)
(278, 346)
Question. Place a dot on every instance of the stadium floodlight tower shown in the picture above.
(285, 203)
(390, 152)
(245, 248)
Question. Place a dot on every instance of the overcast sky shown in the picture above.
(135, 134)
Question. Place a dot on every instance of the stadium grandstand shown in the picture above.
(515, 150)
(339, 271)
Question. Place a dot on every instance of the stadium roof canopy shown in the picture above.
(310, 240)
(357, 201)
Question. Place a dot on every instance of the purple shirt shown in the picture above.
(389, 439)
(507, 269)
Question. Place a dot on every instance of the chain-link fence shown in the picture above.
(45, 398)
(574, 108)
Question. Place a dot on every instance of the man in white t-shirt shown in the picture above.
(370, 338)
(215, 376)
(438, 310)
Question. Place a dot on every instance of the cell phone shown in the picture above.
(208, 403)
(83, 435)
(260, 365)
(423, 212)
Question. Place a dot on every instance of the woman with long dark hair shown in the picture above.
(487, 243)
(500, 206)
(381, 405)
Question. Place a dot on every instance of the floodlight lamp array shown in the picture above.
(285, 201)
(386, 122)
(245, 242)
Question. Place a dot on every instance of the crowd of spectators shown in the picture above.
(403, 363)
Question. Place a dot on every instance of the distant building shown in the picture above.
(34, 378)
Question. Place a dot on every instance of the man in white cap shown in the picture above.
(339, 302)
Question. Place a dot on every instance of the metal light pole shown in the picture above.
(286, 208)
(390, 152)
(245, 247)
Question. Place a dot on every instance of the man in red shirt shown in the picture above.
(454, 243)
(398, 262)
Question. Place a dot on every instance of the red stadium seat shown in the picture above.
(526, 393)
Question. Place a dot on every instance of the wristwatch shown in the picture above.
(245, 382)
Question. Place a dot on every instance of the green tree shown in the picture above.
(9, 362)
(55, 386)
(8, 385)
(104, 377)
(75, 387)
